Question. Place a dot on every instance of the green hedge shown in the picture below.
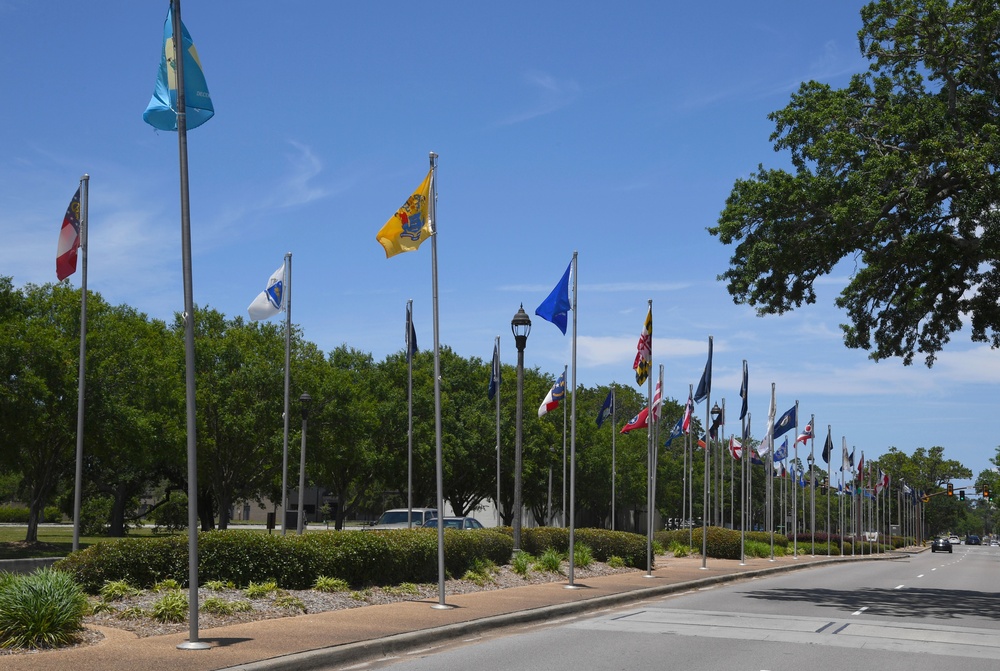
(19, 515)
(603, 543)
(294, 562)
(720, 543)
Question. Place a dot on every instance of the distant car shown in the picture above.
(456, 523)
(955, 540)
(973, 539)
(994, 543)
(399, 518)
(941, 545)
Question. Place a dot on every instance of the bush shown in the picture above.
(52, 515)
(723, 543)
(13, 515)
(294, 562)
(95, 513)
(42, 609)
(603, 543)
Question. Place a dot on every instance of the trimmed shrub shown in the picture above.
(293, 562)
(723, 543)
(13, 515)
(42, 609)
(603, 543)
(140, 561)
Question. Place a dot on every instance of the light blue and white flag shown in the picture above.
(271, 300)
(161, 113)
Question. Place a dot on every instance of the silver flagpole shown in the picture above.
(708, 441)
(437, 384)
(649, 458)
(572, 439)
(192, 443)
(653, 436)
(614, 465)
(565, 413)
(795, 487)
(409, 416)
(812, 483)
(82, 375)
(287, 299)
(829, 486)
(496, 346)
(690, 443)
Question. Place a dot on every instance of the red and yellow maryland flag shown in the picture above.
(410, 225)
(644, 356)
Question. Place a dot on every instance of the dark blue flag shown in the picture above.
(705, 385)
(606, 409)
(676, 432)
(786, 422)
(557, 305)
(495, 373)
(411, 335)
(744, 390)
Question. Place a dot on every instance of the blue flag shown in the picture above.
(675, 432)
(744, 390)
(557, 305)
(161, 113)
(705, 385)
(411, 335)
(495, 373)
(786, 422)
(782, 452)
(606, 409)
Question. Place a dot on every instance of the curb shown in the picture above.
(323, 658)
(27, 565)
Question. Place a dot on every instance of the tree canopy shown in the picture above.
(897, 172)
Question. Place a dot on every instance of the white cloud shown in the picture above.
(548, 95)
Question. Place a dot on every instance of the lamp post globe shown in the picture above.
(520, 326)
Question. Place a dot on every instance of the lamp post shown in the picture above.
(304, 400)
(520, 326)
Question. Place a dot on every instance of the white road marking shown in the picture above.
(860, 610)
(899, 586)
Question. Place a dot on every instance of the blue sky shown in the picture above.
(561, 127)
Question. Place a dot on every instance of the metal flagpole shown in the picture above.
(812, 484)
(690, 474)
(564, 404)
(795, 487)
(409, 416)
(287, 300)
(572, 440)
(652, 424)
(829, 486)
(708, 440)
(83, 217)
(614, 466)
(497, 395)
(432, 211)
(192, 443)
(649, 460)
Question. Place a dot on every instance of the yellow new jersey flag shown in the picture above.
(410, 225)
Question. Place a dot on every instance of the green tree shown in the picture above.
(40, 329)
(239, 386)
(134, 416)
(897, 171)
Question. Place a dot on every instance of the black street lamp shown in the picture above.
(520, 326)
(304, 400)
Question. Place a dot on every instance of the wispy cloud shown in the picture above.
(547, 94)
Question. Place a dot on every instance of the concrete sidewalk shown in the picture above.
(343, 637)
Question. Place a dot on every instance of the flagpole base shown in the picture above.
(442, 606)
(194, 645)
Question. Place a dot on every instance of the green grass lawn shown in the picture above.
(58, 541)
(52, 541)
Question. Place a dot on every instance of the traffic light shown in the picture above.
(951, 490)
(961, 495)
(986, 492)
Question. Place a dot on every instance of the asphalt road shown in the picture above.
(924, 612)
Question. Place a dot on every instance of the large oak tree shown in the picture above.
(897, 172)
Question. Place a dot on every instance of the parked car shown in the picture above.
(941, 545)
(397, 518)
(456, 523)
(973, 539)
